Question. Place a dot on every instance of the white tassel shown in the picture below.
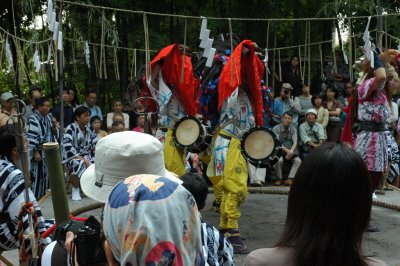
(203, 28)
(208, 47)
(49, 11)
(87, 54)
(48, 55)
(60, 41)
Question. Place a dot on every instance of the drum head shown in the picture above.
(259, 145)
(187, 132)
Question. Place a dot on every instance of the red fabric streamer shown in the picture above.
(247, 71)
(347, 133)
(170, 59)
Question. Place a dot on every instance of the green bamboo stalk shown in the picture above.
(57, 185)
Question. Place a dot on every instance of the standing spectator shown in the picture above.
(7, 109)
(117, 109)
(284, 103)
(78, 148)
(269, 117)
(344, 99)
(73, 98)
(91, 99)
(322, 113)
(312, 135)
(338, 74)
(12, 194)
(291, 74)
(287, 135)
(329, 208)
(34, 94)
(304, 101)
(39, 132)
(334, 109)
(128, 109)
(95, 122)
(68, 109)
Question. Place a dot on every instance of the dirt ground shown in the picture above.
(263, 217)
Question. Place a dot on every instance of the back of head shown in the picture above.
(150, 219)
(197, 186)
(7, 140)
(329, 208)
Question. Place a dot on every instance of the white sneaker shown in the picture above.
(76, 194)
(374, 196)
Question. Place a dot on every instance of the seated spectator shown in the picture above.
(287, 135)
(117, 126)
(12, 194)
(96, 122)
(7, 108)
(328, 210)
(284, 103)
(217, 249)
(78, 148)
(91, 99)
(140, 124)
(128, 109)
(117, 109)
(322, 113)
(334, 108)
(312, 134)
(304, 101)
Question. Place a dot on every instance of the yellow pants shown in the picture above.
(231, 187)
(174, 157)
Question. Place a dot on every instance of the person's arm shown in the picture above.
(294, 106)
(99, 113)
(303, 135)
(69, 150)
(33, 137)
(335, 112)
(325, 118)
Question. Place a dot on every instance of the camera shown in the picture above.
(88, 243)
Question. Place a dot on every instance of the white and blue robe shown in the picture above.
(77, 143)
(38, 133)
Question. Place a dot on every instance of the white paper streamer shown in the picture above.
(60, 41)
(48, 54)
(9, 55)
(366, 32)
(87, 54)
(346, 60)
(38, 65)
(208, 47)
(55, 33)
(52, 21)
(210, 57)
(49, 11)
(203, 27)
(222, 37)
(204, 39)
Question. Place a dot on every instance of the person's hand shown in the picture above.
(37, 157)
(86, 163)
(289, 155)
(69, 237)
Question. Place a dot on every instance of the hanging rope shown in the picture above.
(321, 60)
(334, 67)
(231, 57)
(27, 208)
(96, 61)
(273, 64)
(184, 55)
(147, 46)
(215, 18)
(266, 63)
(305, 54)
(103, 56)
(116, 66)
(350, 53)
(301, 72)
(133, 68)
(279, 65)
(309, 53)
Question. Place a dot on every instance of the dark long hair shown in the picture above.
(329, 208)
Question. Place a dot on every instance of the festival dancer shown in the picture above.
(240, 105)
(174, 90)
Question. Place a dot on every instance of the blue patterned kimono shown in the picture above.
(76, 143)
(39, 132)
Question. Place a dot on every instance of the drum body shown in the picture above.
(192, 134)
(260, 147)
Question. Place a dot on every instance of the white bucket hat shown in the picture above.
(312, 111)
(120, 155)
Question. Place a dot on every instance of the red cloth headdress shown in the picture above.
(170, 59)
(247, 71)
